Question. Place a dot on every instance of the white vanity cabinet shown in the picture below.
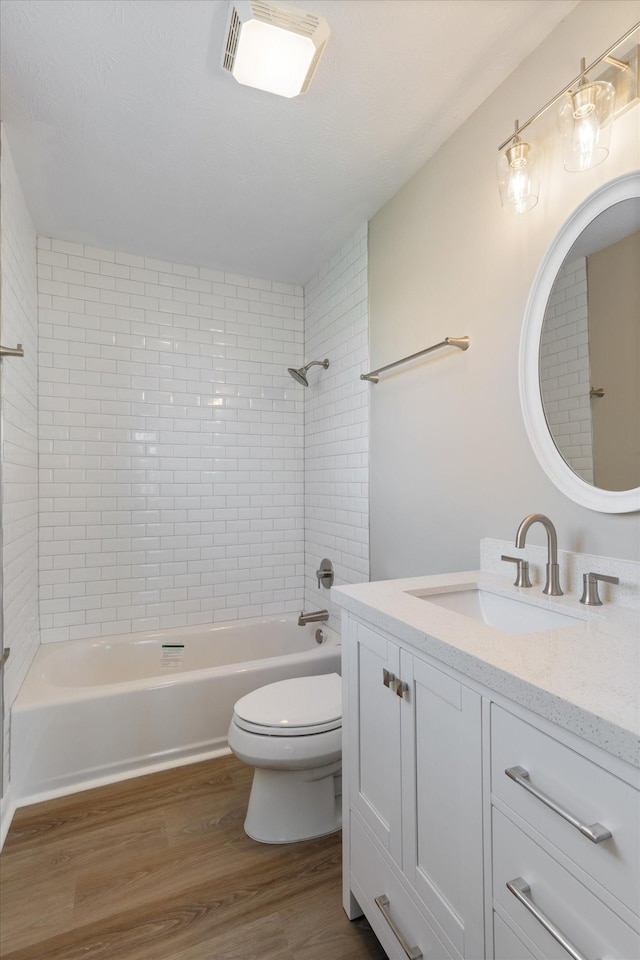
(413, 799)
(450, 856)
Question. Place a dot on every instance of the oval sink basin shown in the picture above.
(506, 613)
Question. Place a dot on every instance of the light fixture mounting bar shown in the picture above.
(575, 80)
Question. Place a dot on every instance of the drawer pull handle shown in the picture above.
(387, 677)
(413, 953)
(520, 889)
(594, 831)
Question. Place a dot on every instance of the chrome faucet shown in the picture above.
(552, 585)
(317, 616)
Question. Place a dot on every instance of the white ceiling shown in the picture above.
(127, 134)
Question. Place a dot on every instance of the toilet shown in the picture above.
(291, 733)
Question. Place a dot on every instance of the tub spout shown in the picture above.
(317, 616)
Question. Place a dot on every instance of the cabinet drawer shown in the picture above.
(506, 946)
(588, 792)
(373, 878)
(593, 929)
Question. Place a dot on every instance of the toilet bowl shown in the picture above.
(291, 733)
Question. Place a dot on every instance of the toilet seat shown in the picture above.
(268, 731)
(300, 707)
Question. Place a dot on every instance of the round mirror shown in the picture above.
(580, 353)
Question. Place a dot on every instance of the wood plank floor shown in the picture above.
(159, 868)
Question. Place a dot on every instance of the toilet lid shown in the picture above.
(293, 707)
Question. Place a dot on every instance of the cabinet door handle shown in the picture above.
(413, 953)
(594, 831)
(520, 889)
(387, 677)
(402, 689)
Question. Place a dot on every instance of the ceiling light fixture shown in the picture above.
(585, 118)
(273, 48)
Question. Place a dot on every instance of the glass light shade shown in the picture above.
(272, 59)
(519, 176)
(585, 118)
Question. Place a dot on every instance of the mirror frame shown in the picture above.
(557, 469)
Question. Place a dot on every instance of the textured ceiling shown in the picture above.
(128, 134)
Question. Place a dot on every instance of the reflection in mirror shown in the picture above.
(589, 361)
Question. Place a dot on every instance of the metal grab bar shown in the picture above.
(520, 889)
(593, 831)
(11, 351)
(382, 903)
(461, 342)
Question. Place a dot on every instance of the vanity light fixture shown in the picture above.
(586, 119)
(519, 175)
(272, 48)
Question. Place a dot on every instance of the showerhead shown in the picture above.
(300, 375)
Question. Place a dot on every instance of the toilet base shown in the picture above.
(287, 806)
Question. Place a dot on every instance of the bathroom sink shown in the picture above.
(506, 613)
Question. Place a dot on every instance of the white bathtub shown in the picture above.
(94, 711)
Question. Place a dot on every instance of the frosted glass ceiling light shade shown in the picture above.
(276, 49)
(585, 118)
(519, 175)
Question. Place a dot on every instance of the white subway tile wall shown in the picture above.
(18, 384)
(336, 423)
(171, 444)
(564, 368)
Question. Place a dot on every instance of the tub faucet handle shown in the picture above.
(324, 574)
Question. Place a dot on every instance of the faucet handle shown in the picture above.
(522, 574)
(324, 574)
(590, 595)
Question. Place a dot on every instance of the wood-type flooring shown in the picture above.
(159, 868)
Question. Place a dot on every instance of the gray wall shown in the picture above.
(450, 459)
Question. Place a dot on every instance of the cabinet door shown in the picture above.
(374, 734)
(442, 854)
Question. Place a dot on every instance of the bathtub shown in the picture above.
(94, 711)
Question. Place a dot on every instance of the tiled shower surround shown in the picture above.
(171, 444)
(336, 423)
(172, 448)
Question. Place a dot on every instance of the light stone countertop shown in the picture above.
(585, 678)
